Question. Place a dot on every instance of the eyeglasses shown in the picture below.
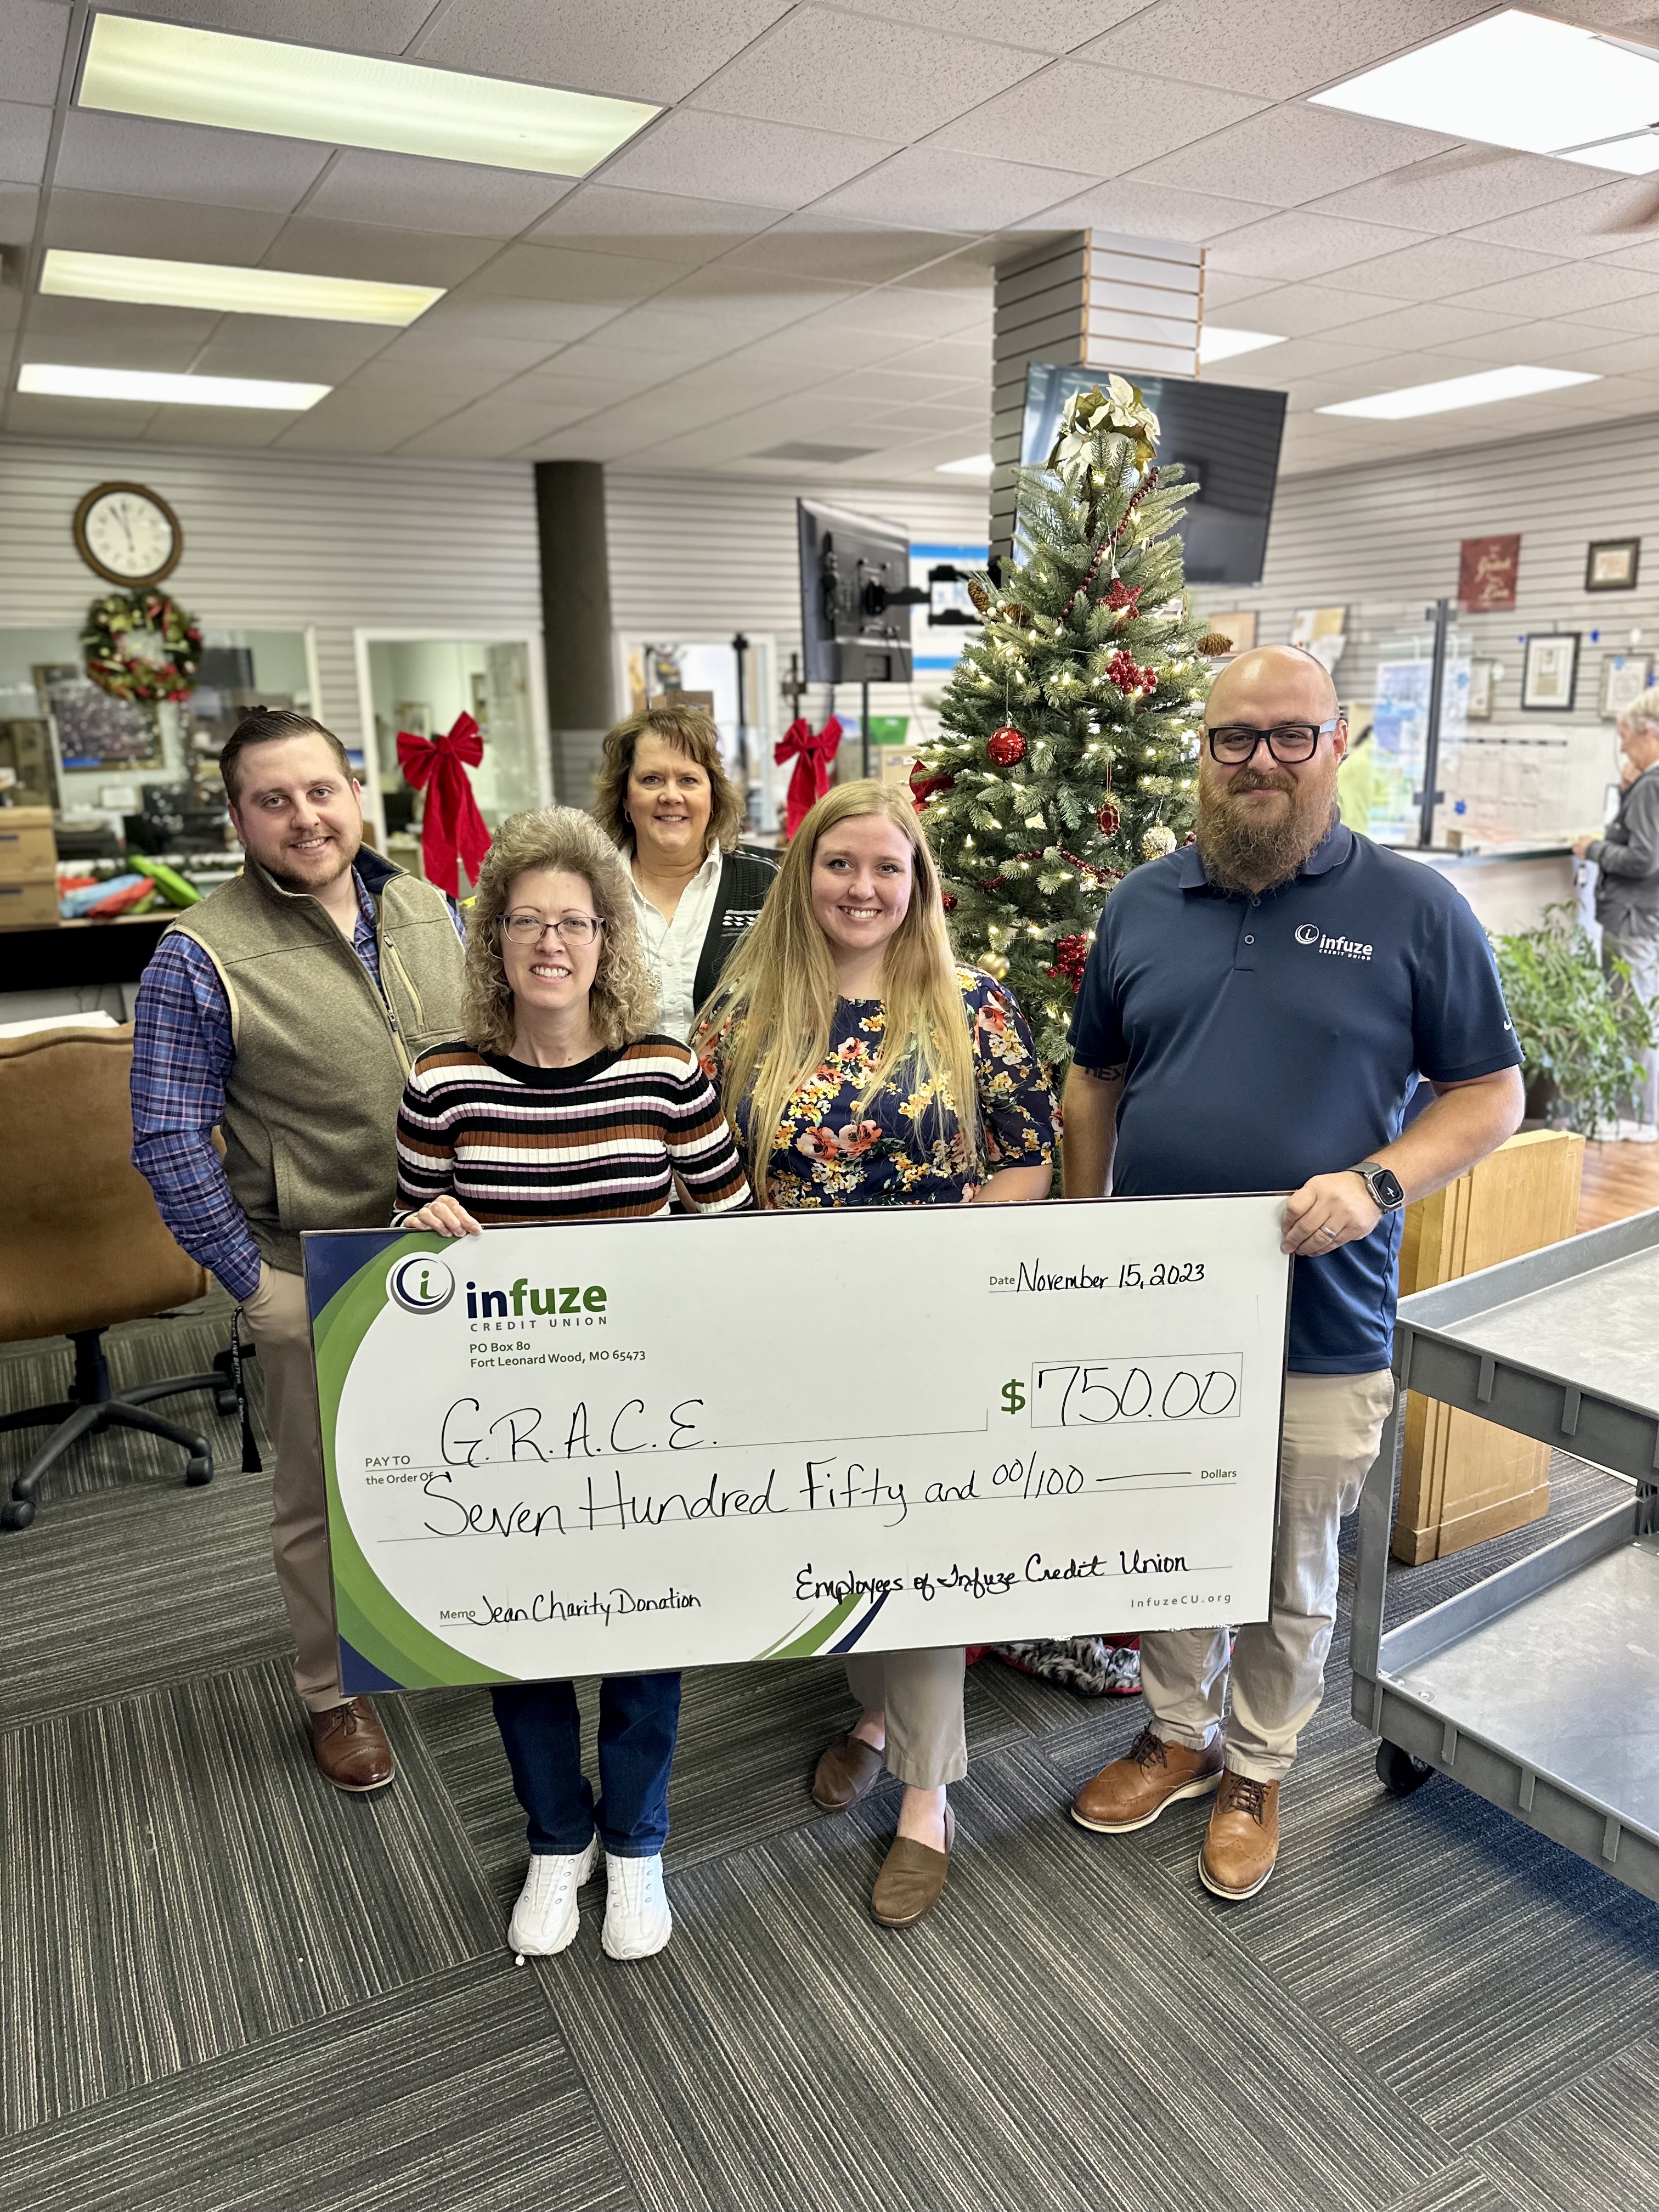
(574, 928)
(1235, 742)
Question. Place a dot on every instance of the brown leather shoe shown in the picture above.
(912, 1878)
(350, 1747)
(1242, 1842)
(1133, 1790)
(848, 1769)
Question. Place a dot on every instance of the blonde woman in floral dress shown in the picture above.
(861, 1065)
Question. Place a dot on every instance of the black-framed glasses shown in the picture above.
(574, 928)
(1232, 743)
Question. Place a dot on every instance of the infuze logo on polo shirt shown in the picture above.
(1343, 948)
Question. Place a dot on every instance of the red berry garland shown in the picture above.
(1005, 748)
(1071, 958)
(1129, 676)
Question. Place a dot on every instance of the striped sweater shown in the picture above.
(600, 1141)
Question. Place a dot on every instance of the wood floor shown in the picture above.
(1620, 1180)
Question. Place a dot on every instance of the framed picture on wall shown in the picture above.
(1612, 563)
(1481, 675)
(1624, 678)
(1550, 673)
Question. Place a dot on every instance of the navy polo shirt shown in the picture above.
(1268, 1040)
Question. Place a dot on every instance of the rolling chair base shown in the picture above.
(94, 1407)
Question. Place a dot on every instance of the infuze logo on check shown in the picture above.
(421, 1283)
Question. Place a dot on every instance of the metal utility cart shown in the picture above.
(1538, 1688)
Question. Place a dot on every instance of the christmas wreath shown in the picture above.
(141, 646)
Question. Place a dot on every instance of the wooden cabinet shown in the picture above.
(1462, 1479)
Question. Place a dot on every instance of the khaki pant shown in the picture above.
(281, 1327)
(920, 1692)
(1332, 1426)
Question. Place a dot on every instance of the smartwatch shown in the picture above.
(1383, 1186)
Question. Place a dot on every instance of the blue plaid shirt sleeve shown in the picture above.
(182, 1052)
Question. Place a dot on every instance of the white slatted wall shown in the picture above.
(278, 541)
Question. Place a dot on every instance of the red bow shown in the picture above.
(452, 828)
(812, 752)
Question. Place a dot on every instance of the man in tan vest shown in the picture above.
(285, 1010)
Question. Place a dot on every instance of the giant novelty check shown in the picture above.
(615, 1447)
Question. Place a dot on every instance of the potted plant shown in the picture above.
(1581, 1039)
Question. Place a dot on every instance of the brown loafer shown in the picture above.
(350, 1747)
(1241, 1844)
(912, 1878)
(1133, 1790)
(849, 1770)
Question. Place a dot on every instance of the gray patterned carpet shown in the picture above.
(221, 1985)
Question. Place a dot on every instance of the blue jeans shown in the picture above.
(541, 1727)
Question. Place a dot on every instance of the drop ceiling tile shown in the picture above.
(1277, 48)
(186, 230)
(36, 414)
(1278, 367)
(98, 329)
(486, 432)
(1633, 254)
(817, 243)
(20, 210)
(428, 383)
(1300, 245)
(754, 301)
(1225, 289)
(906, 311)
(24, 132)
(345, 423)
(34, 38)
(837, 72)
(886, 387)
(246, 426)
(582, 389)
(363, 27)
(635, 49)
(1137, 211)
(313, 247)
(963, 358)
(1430, 324)
(1641, 313)
(1441, 268)
(925, 417)
(465, 315)
(1580, 225)
(553, 272)
(1047, 27)
(1570, 287)
(1285, 156)
(306, 353)
(1453, 191)
(1104, 121)
(1294, 311)
(682, 341)
(1600, 352)
(441, 350)
(939, 187)
(624, 367)
(457, 198)
(582, 441)
(756, 162)
(599, 218)
(135, 154)
(813, 343)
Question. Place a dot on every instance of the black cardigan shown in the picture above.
(745, 879)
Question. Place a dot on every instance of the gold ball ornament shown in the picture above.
(996, 963)
(1157, 842)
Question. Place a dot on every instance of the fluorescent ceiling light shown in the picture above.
(974, 464)
(1477, 390)
(1216, 343)
(1637, 157)
(153, 385)
(1514, 80)
(232, 291)
(230, 83)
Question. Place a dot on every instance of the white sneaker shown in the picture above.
(545, 1918)
(637, 1921)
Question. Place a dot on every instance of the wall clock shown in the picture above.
(128, 534)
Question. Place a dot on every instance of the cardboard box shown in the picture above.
(1462, 1479)
(31, 905)
(29, 848)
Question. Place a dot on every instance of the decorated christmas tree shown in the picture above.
(1068, 752)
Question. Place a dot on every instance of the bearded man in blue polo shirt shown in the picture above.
(1257, 1011)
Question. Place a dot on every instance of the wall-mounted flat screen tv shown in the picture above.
(1226, 436)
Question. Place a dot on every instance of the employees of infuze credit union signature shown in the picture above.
(840, 1055)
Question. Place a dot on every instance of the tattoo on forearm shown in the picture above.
(1103, 1074)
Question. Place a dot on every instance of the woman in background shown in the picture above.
(864, 1067)
(562, 1104)
(664, 799)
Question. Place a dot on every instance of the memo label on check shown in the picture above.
(1090, 1394)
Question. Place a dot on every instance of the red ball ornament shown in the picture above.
(1109, 818)
(948, 901)
(1005, 747)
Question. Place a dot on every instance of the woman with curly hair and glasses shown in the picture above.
(563, 1105)
(865, 1067)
